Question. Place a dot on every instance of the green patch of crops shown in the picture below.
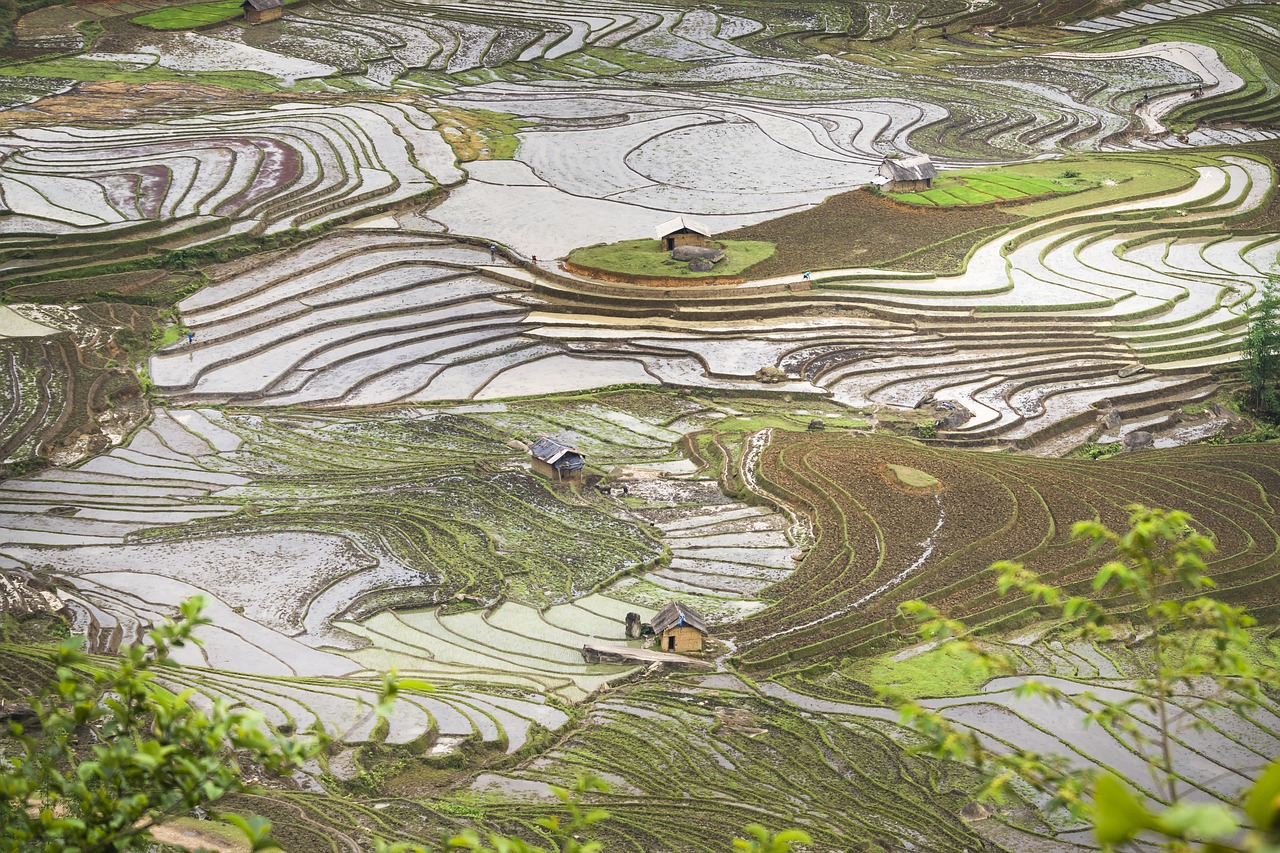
(972, 195)
(994, 190)
(186, 17)
(944, 671)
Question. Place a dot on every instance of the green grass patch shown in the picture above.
(88, 70)
(993, 190)
(943, 671)
(983, 186)
(646, 258)
(1067, 183)
(914, 477)
(480, 134)
(189, 16)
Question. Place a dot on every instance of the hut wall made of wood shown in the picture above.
(253, 16)
(683, 238)
(681, 638)
(912, 186)
(546, 469)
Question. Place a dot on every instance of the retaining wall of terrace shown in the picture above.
(648, 280)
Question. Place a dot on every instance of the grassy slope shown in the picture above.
(861, 229)
(644, 257)
(943, 671)
(192, 15)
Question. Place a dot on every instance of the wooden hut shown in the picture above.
(261, 11)
(557, 462)
(906, 175)
(682, 231)
(680, 628)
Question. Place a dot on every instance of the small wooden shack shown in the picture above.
(682, 231)
(680, 628)
(556, 461)
(906, 175)
(261, 11)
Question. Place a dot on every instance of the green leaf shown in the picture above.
(1118, 813)
(416, 684)
(1262, 803)
(1201, 821)
(255, 827)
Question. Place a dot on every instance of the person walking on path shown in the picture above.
(493, 252)
(191, 336)
(806, 275)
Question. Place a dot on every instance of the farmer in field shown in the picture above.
(493, 252)
(806, 275)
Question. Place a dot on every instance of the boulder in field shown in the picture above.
(1139, 439)
(700, 265)
(693, 253)
(770, 375)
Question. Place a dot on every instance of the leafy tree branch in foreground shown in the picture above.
(112, 753)
(1198, 654)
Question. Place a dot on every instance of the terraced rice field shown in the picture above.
(62, 398)
(357, 210)
(76, 196)
(880, 540)
(374, 316)
(299, 569)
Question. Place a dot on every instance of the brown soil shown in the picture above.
(111, 102)
(863, 229)
(140, 286)
(82, 401)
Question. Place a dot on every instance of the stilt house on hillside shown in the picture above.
(261, 11)
(908, 175)
(680, 628)
(557, 462)
(682, 231)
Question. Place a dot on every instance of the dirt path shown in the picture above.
(189, 836)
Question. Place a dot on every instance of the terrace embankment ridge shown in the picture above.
(650, 280)
(601, 653)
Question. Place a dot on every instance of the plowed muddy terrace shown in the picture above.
(285, 309)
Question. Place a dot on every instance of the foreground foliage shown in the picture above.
(1160, 556)
(111, 754)
(1261, 362)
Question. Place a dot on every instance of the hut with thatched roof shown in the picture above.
(906, 175)
(682, 231)
(680, 628)
(556, 461)
(261, 11)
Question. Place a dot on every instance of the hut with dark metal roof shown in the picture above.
(680, 628)
(682, 231)
(906, 175)
(556, 461)
(261, 11)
